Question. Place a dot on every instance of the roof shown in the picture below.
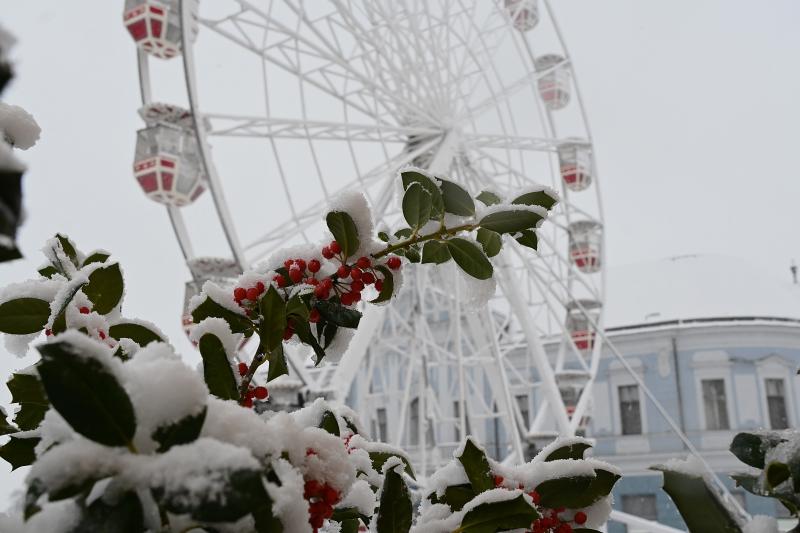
(696, 287)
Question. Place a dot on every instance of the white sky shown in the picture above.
(693, 106)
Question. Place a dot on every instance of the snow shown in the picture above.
(53, 430)
(329, 462)
(220, 329)
(56, 517)
(692, 466)
(361, 497)
(339, 345)
(19, 127)
(356, 205)
(73, 462)
(43, 289)
(78, 344)
(287, 500)
(696, 286)
(227, 421)
(761, 524)
(18, 344)
(220, 295)
(559, 443)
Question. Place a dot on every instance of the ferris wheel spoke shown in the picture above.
(224, 125)
(510, 142)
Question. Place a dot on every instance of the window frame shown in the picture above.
(622, 416)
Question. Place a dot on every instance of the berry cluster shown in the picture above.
(321, 498)
(259, 393)
(549, 522)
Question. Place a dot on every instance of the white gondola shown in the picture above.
(575, 163)
(524, 13)
(554, 87)
(585, 245)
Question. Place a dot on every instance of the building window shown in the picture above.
(715, 404)
(629, 409)
(641, 505)
(776, 404)
(522, 404)
(382, 424)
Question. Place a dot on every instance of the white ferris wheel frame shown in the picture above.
(338, 378)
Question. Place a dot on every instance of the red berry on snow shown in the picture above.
(310, 451)
(580, 518)
(357, 286)
(296, 275)
(102, 334)
(343, 271)
(288, 264)
(356, 296)
(239, 294)
(48, 332)
(355, 273)
(328, 283)
(363, 262)
(379, 284)
(314, 266)
(248, 402)
(250, 393)
(312, 281)
(242, 369)
(348, 298)
(260, 287)
(281, 282)
(393, 262)
(85, 310)
(322, 291)
(335, 248)
(261, 392)
(498, 480)
(330, 495)
(252, 294)
(327, 253)
(301, 264)
(313, 316)
(368, 278)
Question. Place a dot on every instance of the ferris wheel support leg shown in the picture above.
(350, 364)
(509, 286)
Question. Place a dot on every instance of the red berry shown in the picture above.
(242, 369)
(313, 316)
(357, 286)
(85, 310)
(314, 266)
(279, 280)
(310, 451)
(564, 528)
(102, 334)
(498, 480)
(322, 291)
(343, 271)
(48, 332)
(248, 402)
(393, 262)
(288, 333)
(348, 298)
(296, 275)
(252, 294)
(327, 283)
(327, 253)
(368, 278)
(260, 287)
(335, 248)
(250, 393)
(536, 497)
(239, 294)
(301, 264)
(379, 284)
(288, 264)
(580, 518)
(261, 392)
(363, 262)
(355, 273)
(312, 281)
(311, 488)
(330, 495)
(356, 296)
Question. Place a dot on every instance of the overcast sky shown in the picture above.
(693, 105)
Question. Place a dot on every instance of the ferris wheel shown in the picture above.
(274, 106)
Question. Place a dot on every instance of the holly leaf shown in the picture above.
(23, 316)
(437, 203)
(5, 426)
(528, 239)
(124, 515)
(470, 258)
(210, 308)
(277, 363)
(105, 288)
(388, 285)
(19, 452)
(378, 458)
(184, 431)
(273, 309)
(138, 333)
(750, 448)
(501, 515)
(569, 451)
(86, 394)
(344, 231)
(510, 221)
(217, 371)
(435, 252)
(329, 423)
(96, 257)
(416, 205)
(490, 241)
(394, 513)
(303, 330)
(338, 314)
(296, 306)
(456, 199)
(476, 466)
(68, 248)
(488, 198)
(27, 391)
(541, 198)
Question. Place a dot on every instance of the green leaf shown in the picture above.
(296, 306)
(303, 330)
(96, 257)
(184, 431)
(27, 391)
(470, 258)
(60, 321)
(273, 324)
(87, 394)
(329, 423)
(490, 241)
(567, 491)
(488, 198)
(328, 333)
(570, 451)
(394, 513)
(412, 254)
(48, 272)
(416, 206)
(403, 233)
(540, 198)
(455, 496)
(476, 466)
(344, 231)
(105, 288)
(138, 333)
(210, 308)
(510, 221)
(378, 458)
(124, 515)
(750, 448)
(23, 316)
(336, 313)
(5, 426)
(345, 514)
(456, 199)
(217, 370)
(349, 525)
(437, 203)
(697, 503)
(382, 235)
(69, 248)
(277, 364)
(776, 473)
(529, 239)
(502, 515)
(388, 285)
(265, 519)
(435, 252)
(19, 452)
